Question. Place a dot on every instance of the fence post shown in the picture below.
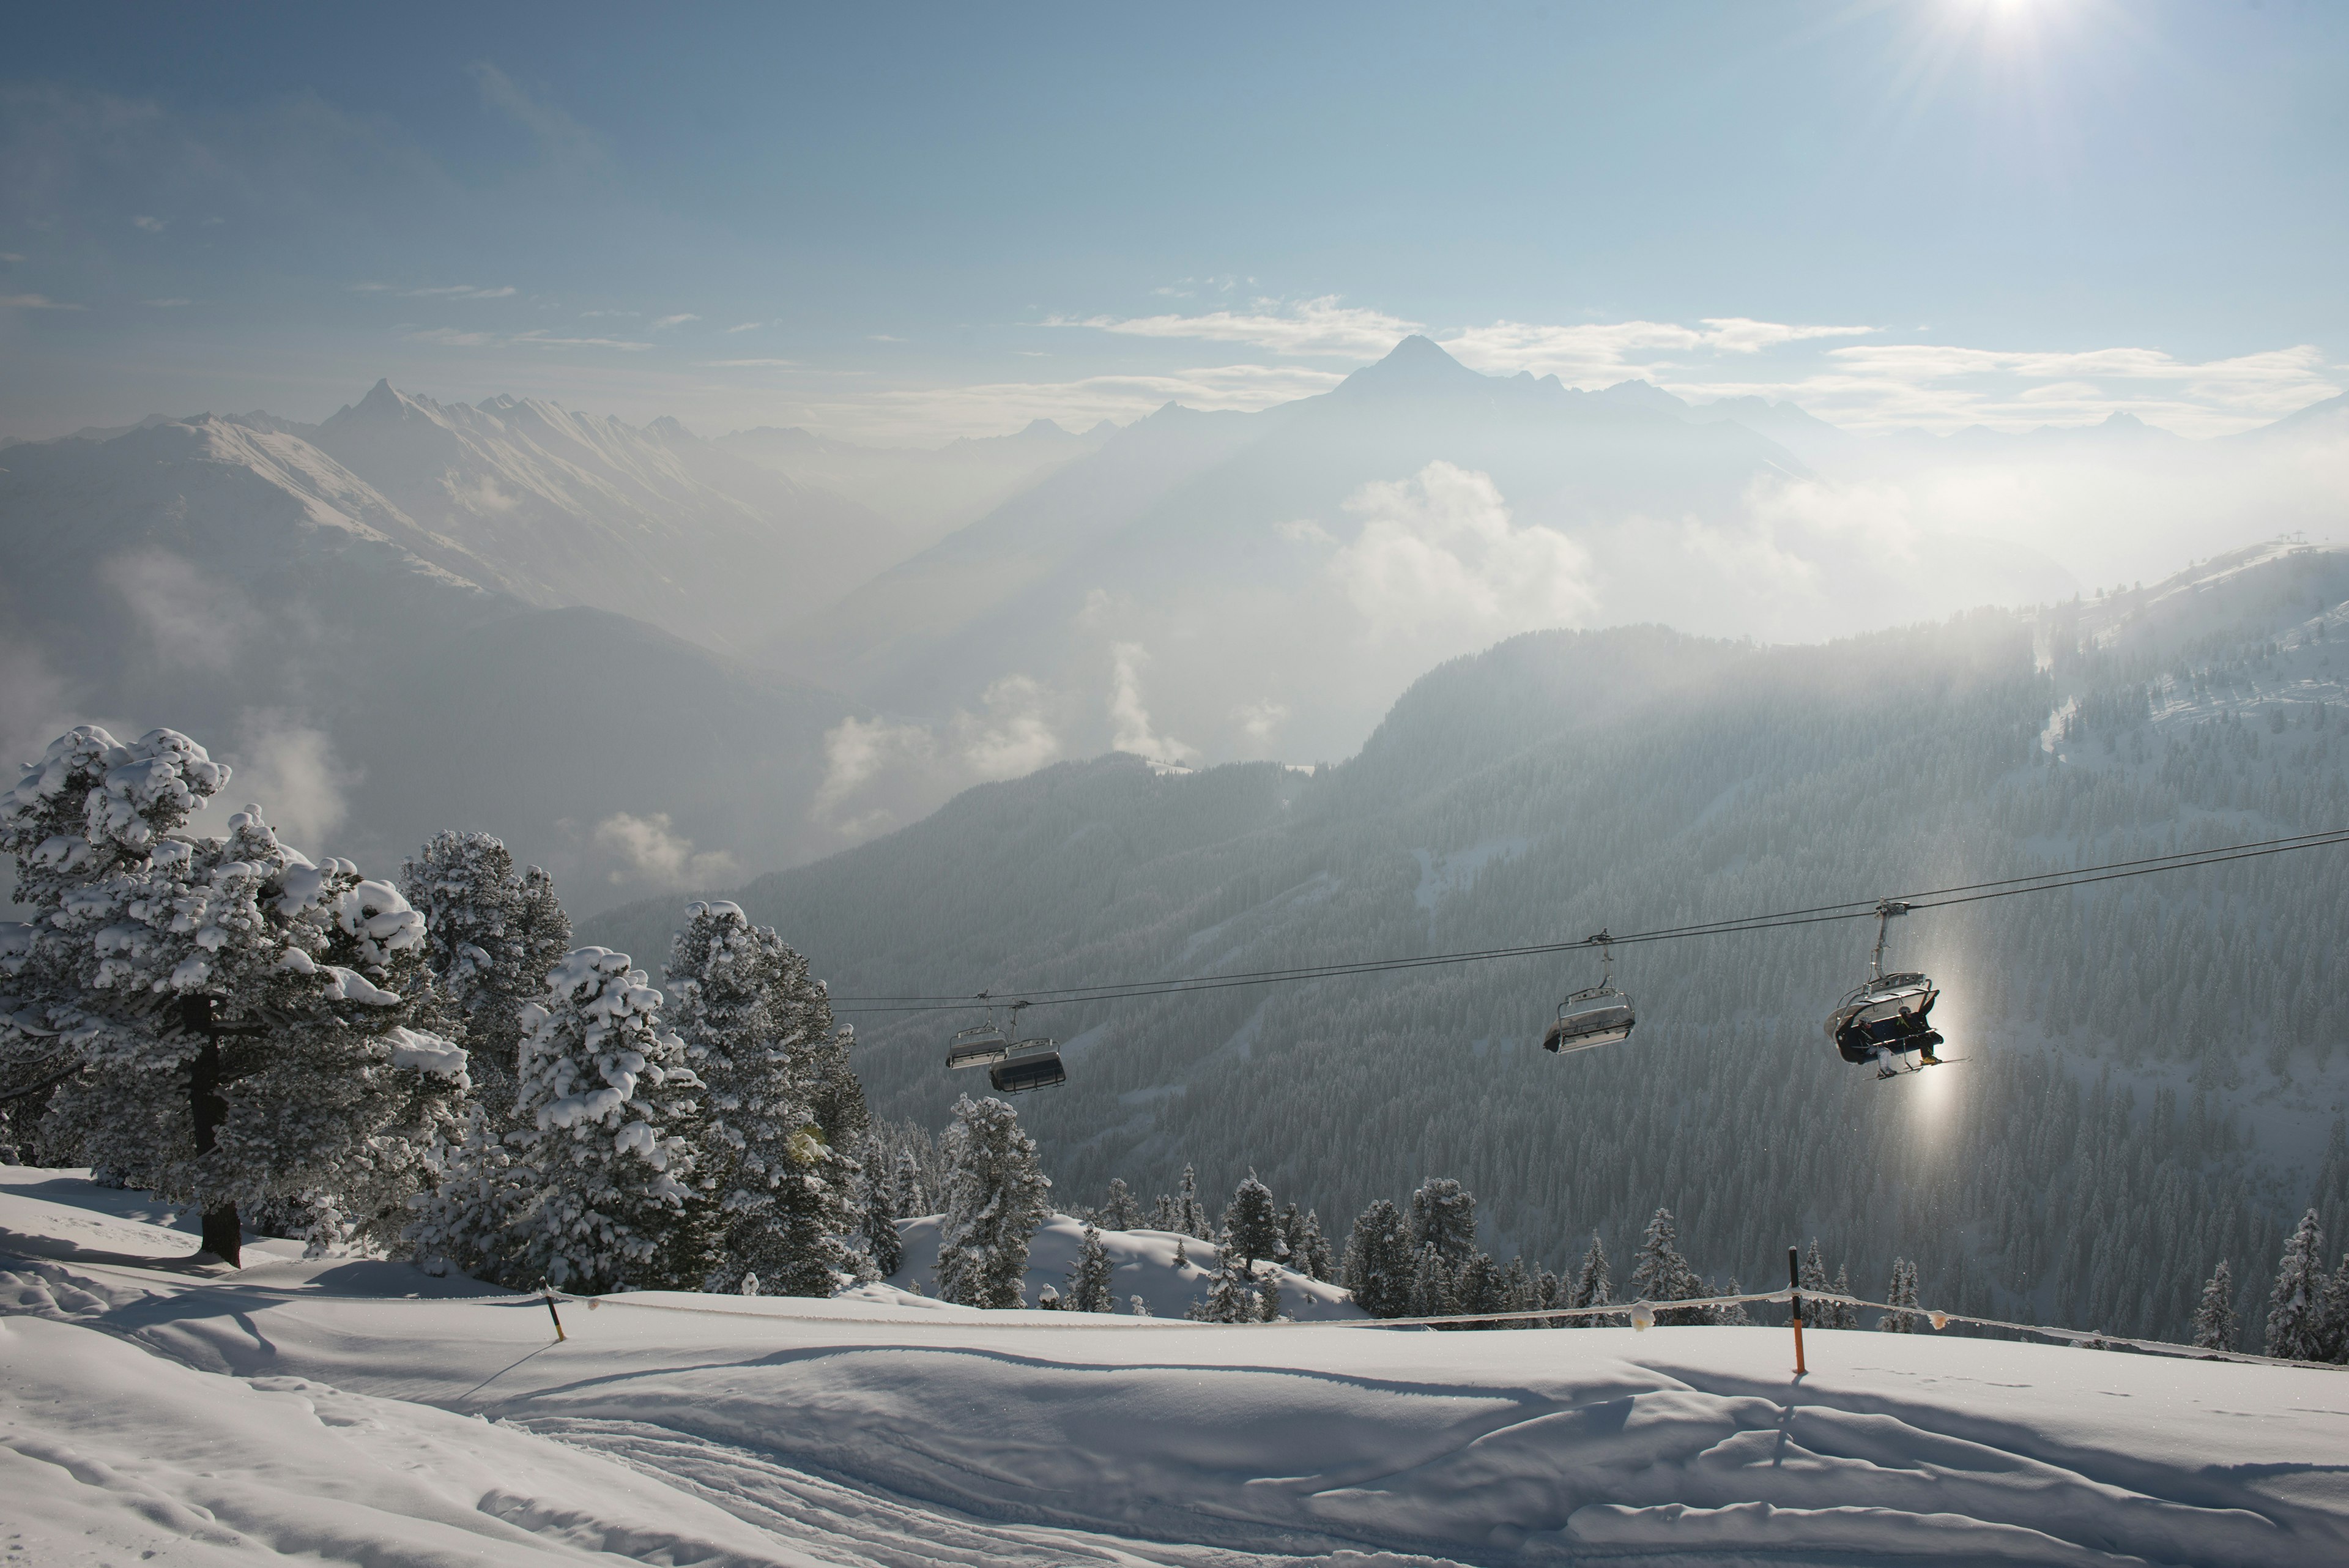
(548, 1296)
(1795, 1283)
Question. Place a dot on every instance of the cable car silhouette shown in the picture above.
(1601, 1016)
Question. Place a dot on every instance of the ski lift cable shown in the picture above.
(1939, 898)
(1863, 906)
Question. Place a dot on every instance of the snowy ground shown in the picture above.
(353, 1411)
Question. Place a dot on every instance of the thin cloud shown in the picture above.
(1311, 326)
(453, 337)
(746, 327)
(445, 291)
(165, 304)
(35, 302)
(995, 408)
(749, 364)
(10, 256)
(561, 137)
(678, 321)
(150, 225)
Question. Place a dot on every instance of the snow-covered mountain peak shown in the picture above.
(1416, 365)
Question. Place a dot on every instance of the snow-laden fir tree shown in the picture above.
(1902, 1293)
(1309, 1255)
(1444, 1216)
(1814, 1275)
(1251, 1224)
(1519, 1291)
(1594, 1285)
(1661, 1275)
(1190, 1214)
(1476, 1287)
(1431, 1286)
(1163, 1214)
(995, 1201)
(2333, 1315)
(1380, 1264)
(492, 932)
(1232, 1298)
(1846, 1314)
(603, 1170)
(1735, 1314)
(1139, 1307)
(2297, 1302)
(783, 1116)
(2214, 1319)
(1089, 1281)
(1120, 1212)
(882, 1242)
(1267, 1297)
(226, 1021)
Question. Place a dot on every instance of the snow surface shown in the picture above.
(351, 1410)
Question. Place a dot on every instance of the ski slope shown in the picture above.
(351, 1410)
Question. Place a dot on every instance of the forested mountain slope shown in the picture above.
(2151, 1074)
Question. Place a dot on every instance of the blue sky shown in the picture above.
(909, 222)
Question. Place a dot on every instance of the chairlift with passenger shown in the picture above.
(1601, 1016)
(1887, 1016)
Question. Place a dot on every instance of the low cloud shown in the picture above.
(289, 769)
(149, 226)
(1130, 728)
(165, 304)
(650, 850)
(678, 321)
(879, 773)
(34, 302)
(1440, 553)
(191, 618)
(1001, 407)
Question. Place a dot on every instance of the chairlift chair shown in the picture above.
(1601, 1016)
(1039, 1070)
(981, 1045)
(1886, 1015)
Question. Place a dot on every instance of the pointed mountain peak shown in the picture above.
(1417, 364)
(1645, 394)
(1043, 429)
(668, 428)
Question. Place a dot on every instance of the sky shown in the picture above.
(905, 223)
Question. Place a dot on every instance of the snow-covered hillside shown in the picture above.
(345, 1410)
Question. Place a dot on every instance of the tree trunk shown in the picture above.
(223, 1233)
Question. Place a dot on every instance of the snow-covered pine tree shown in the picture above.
(783, 1116)
(1139, 1307)
(1310, 1256)
(606, 1198)
(1431, 1286)
(1267, 1297)
(995, 1201)
(1233, 1297)
(1901, 1293)
(882, 1242)
(1250, 1223)
(2214, 1319)
(1660, 1274)
(2295, 1302)
(1476, 1287)
(1379, 1261)
(492, 932)
(1520, 1291)
(1735, 1314)
(1594, 1285)
(1164, 1215)
(2334, 1340)
(1120, 1212)
(1846, 1314)
(1190, 1214)
(1089, 1281)
(1444, 1216)
(1182, 1257)
(1815, 1274)
(226, 1020)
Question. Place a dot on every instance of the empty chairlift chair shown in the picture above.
(1886, 1015)
(981, 1045)
(1601, 1016)
(1036, 1070)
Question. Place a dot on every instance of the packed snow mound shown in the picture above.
(1141, 1264)
(281, 1411)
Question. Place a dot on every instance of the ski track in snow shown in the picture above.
(354, 1411)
